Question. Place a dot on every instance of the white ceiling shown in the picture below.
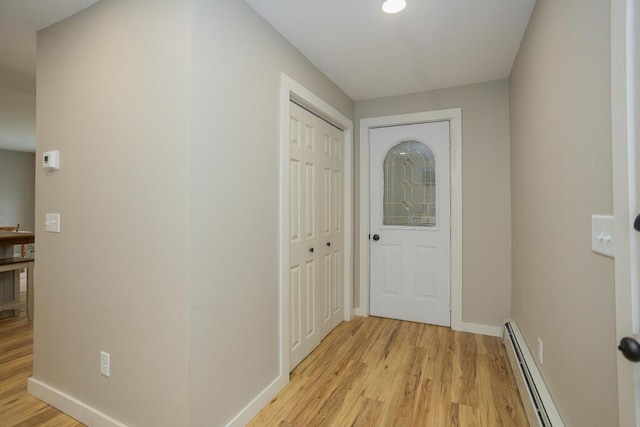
(432, 44)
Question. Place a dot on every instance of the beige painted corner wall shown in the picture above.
(113, 97)
(234, 192)
(17, 118)
(563, 293)
(485, 194)
(17, 189)
(17, 109)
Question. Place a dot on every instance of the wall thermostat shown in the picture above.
(50, 160)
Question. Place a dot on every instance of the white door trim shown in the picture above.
(290, 89)
(454, 116)
(624, 135)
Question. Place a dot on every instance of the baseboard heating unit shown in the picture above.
(536, 399)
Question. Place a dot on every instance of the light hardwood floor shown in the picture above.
(17, 407)
(367, 372)
(383, 372)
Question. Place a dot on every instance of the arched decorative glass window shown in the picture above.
(410, 185)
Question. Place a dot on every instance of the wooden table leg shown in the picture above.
(7, 283)
(30, 294)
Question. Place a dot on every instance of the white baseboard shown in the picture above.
(259, 402)
(474, 328)
(92, 417)
(70, 405)
(477, 328)
(361, 312)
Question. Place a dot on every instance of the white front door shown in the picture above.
(316, 231)
(410, 222)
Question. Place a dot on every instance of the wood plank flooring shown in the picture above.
(367, 372)
(17, 407)
(384, 372)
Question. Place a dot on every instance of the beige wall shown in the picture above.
(234, 187)
(18, 81)
(17, 119)
(563, 293)
(167, 122)
(17, 109)
(113, 97)
(485, 189)
(17, 189)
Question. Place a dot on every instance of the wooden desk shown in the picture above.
(8, 239)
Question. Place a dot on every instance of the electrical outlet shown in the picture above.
(540, 351)
(105, 364)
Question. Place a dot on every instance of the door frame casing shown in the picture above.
(623, 138)
(454, 116)
(292, 90)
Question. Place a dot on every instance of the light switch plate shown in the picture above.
(52, 222)
(602, 235)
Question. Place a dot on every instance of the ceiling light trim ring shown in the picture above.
(393, 6)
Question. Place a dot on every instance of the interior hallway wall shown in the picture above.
(113, 97)
(234, 197)
(563, 293)
(167, 122)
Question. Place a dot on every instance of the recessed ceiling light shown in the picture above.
(393, 6)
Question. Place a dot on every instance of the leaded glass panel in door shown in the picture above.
(410, 185)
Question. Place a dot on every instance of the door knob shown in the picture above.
(636, 223)
(376, 237)
(328, 243)
(630, 349)
(311, 250)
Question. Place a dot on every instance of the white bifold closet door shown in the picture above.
(316, 236)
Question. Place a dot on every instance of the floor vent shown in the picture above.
(536, 399)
